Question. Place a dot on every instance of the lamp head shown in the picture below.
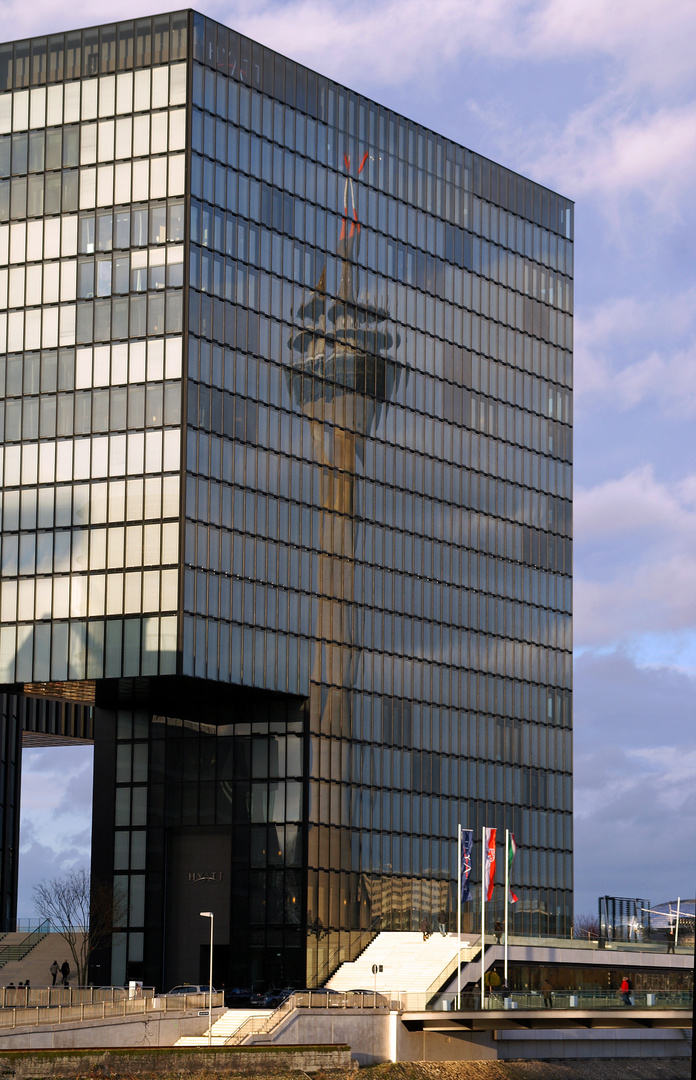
(206, 914)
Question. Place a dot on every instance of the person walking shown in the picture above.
(442, 923)
(547, 991)
(498, 931)
(626, 991)
(670, 939)
(65, 972)
(54, 969)
(425, 927)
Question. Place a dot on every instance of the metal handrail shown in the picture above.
(27, 926)
(328, 967)
(58, 1006)
(303, 999)
(9, 953)
(466, 955)
(566, 999)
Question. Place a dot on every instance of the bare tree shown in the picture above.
(587, 927)
(83, 912)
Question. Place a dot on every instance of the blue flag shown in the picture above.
(465, 857)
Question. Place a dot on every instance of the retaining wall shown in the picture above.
(29, 1064)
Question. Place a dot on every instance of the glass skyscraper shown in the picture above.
(285, 387)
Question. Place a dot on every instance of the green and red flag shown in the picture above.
(512, 851)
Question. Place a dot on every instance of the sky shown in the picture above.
(596, 99)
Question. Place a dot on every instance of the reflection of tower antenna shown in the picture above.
(342, 350)
(348, 236)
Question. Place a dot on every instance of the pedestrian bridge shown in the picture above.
(536, 1019)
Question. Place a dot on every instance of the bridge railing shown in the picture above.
(561, 999)
(656, 945)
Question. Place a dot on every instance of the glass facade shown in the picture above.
(287, 390)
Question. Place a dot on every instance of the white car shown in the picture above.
(191, 988)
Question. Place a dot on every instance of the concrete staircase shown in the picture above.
(226, 1025)
(36, 963)
(408, 963)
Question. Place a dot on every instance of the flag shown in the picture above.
(489, 862)
(465, 862)
(512, 851)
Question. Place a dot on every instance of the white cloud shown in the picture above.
(632, 350)
(635, 814)
(638, 501)
(652, 40)
(673, 768)
(606, 149)
(635, 559)
(56, 812)
(635, 773)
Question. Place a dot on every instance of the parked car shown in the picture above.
(237, 996)
(191, 988)
(371, 997)
(257, 999)
(271, 999)
(317, 996)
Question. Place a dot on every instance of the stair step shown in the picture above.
(223, 1027)
(408, 962)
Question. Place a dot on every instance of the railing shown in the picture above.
(585, 944)
(51, 1005)
(341, 952)
(25, 926)
(49, 996)
(465, 955)
(180, 1002)
(566, 999)
(309, 999)
(9, 953)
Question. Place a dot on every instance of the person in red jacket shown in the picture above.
(626, 991)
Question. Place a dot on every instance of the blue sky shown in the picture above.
(596, 99)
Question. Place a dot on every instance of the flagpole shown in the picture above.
(459, 916)
(483, 910)
(676, 931)
(507, 897)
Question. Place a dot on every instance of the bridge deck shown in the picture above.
(548, 1019)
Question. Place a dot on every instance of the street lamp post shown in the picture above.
(209, 915)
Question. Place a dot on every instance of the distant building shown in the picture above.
(667, 913)
(286, 393)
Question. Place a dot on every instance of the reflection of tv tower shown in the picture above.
(341, 375)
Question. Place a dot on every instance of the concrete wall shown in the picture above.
(381, 1036)
(441, 1046)
(23, 1065)
(150, 1029)
(606, 1043)
(366, 1032)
